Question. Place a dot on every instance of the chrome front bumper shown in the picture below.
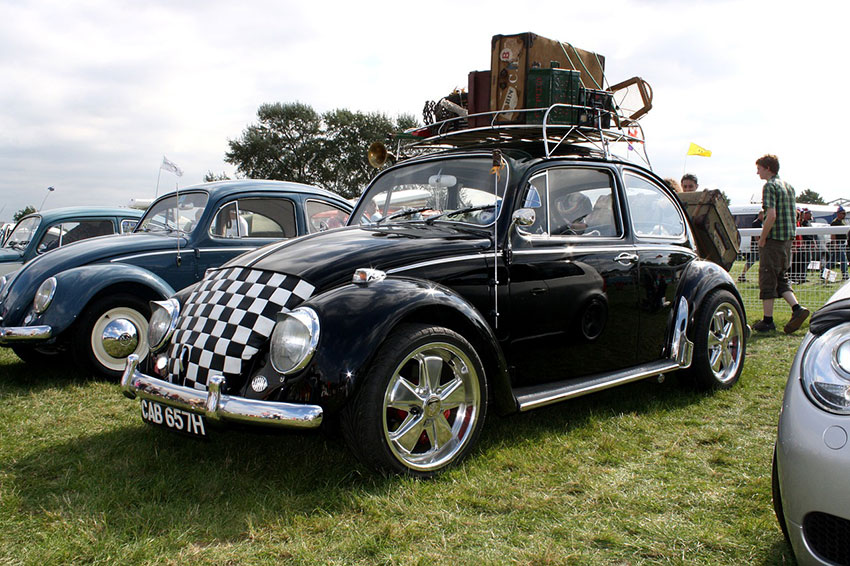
(214, 405)
(14, 334)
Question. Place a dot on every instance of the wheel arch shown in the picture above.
(78, 287)
(700, 280)
(357, 320)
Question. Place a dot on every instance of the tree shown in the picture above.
(810, 197)
(284, 145)
(210, 177)
(292, 142)
(23, 212)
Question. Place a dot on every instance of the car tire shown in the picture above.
(37, 357)
(719, 342)
(421, 405)
(89, 350)
(777, 498)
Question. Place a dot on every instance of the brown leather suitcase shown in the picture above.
(714, 226)
(513, 55)
(479, 98)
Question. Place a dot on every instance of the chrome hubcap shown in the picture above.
(120, 338)
(431, 406)
(725, 338)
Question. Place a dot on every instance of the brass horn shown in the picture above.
(378, 155)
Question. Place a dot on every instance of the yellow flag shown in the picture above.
(697, 150)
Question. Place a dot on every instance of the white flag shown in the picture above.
(169, 165)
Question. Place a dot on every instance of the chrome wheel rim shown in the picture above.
(725, 341)
(431, 406)
(110, 319)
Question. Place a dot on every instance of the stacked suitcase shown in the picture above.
(714, 226)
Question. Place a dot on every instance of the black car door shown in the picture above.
(573, 279)
(660, 232)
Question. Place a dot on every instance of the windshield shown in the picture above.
(445, 190)
(174, 214)
(23, 233)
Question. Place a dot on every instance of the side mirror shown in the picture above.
(524, 217)
(41, 248)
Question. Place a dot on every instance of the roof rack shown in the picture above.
(556, 138)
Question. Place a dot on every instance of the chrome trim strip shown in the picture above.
(576, 390)
(214, 405)
(240, 249)
(24, 333)
(436, 262)
(592, 249)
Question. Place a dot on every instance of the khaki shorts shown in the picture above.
(774, 261)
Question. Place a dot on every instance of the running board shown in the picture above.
(540, 395)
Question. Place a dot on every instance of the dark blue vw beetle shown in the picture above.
(40, 232)
(91, 297)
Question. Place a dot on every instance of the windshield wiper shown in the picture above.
(459, 211)
(403, 212)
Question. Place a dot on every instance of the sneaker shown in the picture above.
(762, 326)
(742, 278)
(797, 319)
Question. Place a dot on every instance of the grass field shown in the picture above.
(650, 473)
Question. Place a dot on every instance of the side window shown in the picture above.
(653, 213)
(572, 202)
(255, 218)
(68, 232)
(323, 216)
(581, 203)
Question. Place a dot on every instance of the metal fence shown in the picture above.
(818, 269)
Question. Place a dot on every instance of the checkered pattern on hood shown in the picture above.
(226, 321)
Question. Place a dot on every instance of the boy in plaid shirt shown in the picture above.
(777, 237)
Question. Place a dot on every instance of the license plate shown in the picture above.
(175, 419)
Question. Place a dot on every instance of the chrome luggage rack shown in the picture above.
(555, 138)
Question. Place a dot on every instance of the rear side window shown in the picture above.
(69, 232)
(653, 212)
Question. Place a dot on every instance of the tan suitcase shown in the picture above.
(513, 55)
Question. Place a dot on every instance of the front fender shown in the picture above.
(76, 287)
(356, 320)
(700, 279)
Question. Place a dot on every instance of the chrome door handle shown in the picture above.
(626, 257)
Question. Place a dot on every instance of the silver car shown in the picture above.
(811, 462)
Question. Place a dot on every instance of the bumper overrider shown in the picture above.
(215, 406)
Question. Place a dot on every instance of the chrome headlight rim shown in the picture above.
(169, 311)
(825, 370)
(44, 295)
(309, 321)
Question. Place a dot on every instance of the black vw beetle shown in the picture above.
(503, 276)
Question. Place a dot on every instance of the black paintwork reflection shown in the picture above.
(661, 269)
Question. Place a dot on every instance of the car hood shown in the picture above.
(328, 259)
(84, 252)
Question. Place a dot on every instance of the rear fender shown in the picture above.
(700, 279)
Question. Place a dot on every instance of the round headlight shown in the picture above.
(294, 340)
(44, 295)
(163, 322)
(825, 370)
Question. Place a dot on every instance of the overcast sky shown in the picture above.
(94, 93)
